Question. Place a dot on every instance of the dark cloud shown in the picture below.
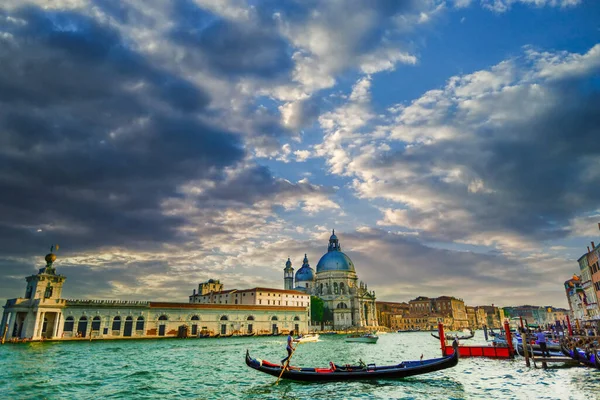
(231, 48)
(94, 137)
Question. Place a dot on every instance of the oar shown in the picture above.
(287, 363)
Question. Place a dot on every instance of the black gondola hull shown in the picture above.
(402, 370)
(449, 337)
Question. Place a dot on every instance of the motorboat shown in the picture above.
(308, 338)
(365, 338)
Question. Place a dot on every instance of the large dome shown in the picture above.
(335, 261)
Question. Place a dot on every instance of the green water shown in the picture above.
(215, 369)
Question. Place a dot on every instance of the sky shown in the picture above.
(452, 145)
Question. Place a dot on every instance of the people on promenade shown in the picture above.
(541, 339)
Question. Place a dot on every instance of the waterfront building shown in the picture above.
(471, 317)
(575, 297)
(254, 296)
(44, 314)
(447, 308)
(589, 297)
(387, 313)
(335, 281)
(592, 289)
(538, 315)
(481, 317)
(494, 316)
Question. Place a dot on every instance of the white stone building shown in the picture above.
(255, 296)
(43, 314)
(347, 300)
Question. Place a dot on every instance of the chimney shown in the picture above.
(588, 249)
(593, 246)
(599, 225)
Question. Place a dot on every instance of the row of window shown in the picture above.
(597, 286)
(595, 268)
(116, 322)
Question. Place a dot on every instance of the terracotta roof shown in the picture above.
(155, 304)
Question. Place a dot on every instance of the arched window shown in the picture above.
(321, 288)
(163, 318)
(96, 323)
(250, 318)
(116, 325)
(342, 288)
(224, 318)
(342, 306)
(139, 324)
(296, 318)
(335, 288)
(68, 324)
(195, 318)
(274, 318)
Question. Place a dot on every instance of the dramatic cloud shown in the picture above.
(162, 143)
(499, 155)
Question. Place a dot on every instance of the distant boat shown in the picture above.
(366, 338)
(308, 338)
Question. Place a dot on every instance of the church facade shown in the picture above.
(348, 301)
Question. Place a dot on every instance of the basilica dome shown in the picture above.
(335, 260)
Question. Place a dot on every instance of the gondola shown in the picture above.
(354, 372)
(589, 359)
(451, 337)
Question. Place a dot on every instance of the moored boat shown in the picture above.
(366, 338)
(452, 337)
(353, 372)
(588, 358)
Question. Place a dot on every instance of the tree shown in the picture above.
(317, 308)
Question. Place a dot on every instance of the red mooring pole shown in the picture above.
(569, 326)
(509, 342)
(442, 338)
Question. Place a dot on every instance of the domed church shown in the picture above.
(336, 283)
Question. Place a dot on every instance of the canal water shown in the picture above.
(215, 369)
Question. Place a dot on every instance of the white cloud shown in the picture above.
(505, 5)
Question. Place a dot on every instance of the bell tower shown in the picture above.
(288, 276)
(46, 284)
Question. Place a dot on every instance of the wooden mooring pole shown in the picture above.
(524, 341)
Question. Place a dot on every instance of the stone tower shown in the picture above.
(288, 276)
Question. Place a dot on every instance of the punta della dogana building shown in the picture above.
(43, 314)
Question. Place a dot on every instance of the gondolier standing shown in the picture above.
(289, 348)
(541, 339)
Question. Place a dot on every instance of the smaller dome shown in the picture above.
(288, 264)
(50, 258)
(305, 274)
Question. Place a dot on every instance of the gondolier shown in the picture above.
(541, 339)
(289, 347)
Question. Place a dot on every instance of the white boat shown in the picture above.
(308, 338)
(366, 338)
